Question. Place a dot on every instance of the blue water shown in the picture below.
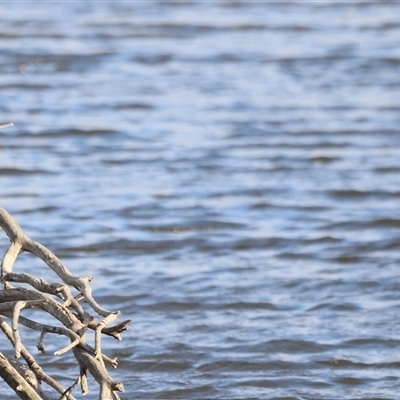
(229, 173)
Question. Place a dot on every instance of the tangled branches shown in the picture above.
(58, 301)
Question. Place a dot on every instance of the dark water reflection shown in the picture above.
(229, 172)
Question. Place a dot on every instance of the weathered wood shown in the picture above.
(31, 362)
(57, 300)
(15, 380)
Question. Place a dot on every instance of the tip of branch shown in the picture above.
(6, 125)
(117, 386)
(40, 347)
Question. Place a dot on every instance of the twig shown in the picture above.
(40, 345)
(84, 382)
(17, 339)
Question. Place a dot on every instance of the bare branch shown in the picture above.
(57, 289)
(6, 125)
(57, 301)
(114, 331)
(33, 365)
(14, 379)
(17, 339)
(84, 382)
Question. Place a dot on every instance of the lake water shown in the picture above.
(230, 174)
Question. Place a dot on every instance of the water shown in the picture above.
(229, 172)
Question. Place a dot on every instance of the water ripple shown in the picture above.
(228, 171)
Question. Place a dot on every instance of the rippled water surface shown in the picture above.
(229, 172)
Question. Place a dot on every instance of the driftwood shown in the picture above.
(59, 302)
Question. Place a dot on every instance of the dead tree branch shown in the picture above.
(55, 299)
